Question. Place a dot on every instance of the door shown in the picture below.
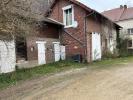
(57, 51)
(41, 53)
(63, 52)
(96, 46)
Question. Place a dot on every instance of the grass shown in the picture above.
(24, 74)
(109, 63)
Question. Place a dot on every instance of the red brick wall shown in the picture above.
(72, 46)
(49, 31)
(49, 34)
(94, 24)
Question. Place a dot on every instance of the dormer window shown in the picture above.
(68, 16)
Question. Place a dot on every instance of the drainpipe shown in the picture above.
(85, 32)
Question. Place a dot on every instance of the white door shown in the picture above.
(111, 45)
(63, 52)
(96, 46)
(57, 51)
(41, 53)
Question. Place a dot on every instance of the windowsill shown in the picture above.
(70, 26)
(130, 47)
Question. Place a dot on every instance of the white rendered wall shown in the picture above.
(7, 56)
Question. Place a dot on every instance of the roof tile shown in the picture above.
(119, 14)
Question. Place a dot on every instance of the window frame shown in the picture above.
(130, 43)
(64, 15)
(129, 31)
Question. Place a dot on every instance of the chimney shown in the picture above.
(121, 6)
(125, 6)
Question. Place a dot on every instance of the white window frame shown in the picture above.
(130, 29)
(131, 44)
(64, 17)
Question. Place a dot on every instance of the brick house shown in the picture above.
(86, 31)
(71, 28)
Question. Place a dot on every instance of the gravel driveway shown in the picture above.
(103, 84)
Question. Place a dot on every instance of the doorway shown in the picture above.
(41, 52)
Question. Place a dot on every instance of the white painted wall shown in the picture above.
(96, 46)
(126, 24)
(111, 45)
(7, 56)
(59, 51)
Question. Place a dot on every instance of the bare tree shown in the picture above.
(19, 17)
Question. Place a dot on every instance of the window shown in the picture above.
(130, 31)
(68, 16)
(130, 43)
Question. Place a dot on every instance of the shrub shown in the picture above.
(123, 51)
(109, 54)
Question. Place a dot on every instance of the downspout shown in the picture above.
(85, 32)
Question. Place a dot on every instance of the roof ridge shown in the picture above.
(109, 10)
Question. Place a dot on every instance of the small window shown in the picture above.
(130, 31)
(68, 16)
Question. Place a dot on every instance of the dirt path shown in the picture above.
(110, 84)
(103, 84)
(31, 89)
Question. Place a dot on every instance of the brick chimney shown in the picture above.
(125, 6)
(121, 6)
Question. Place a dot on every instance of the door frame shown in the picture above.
(41, 42)
(54, 51)
(95, 48)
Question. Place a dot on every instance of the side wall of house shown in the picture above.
(127, 24)
(93, 24)
(73, 46)
(106, 29)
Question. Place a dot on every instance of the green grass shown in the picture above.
(27, 74)
(24, 74)
(109, 63)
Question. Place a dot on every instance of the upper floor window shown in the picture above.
(130, 31)
(68, 16)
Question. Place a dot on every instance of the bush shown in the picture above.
(123, 51)
(109, 54)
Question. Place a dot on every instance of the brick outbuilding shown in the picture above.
(81, 24)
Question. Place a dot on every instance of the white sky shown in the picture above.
(102, 5)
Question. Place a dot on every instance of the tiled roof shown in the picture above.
(119, 14)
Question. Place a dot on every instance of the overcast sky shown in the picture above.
(102, 5)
